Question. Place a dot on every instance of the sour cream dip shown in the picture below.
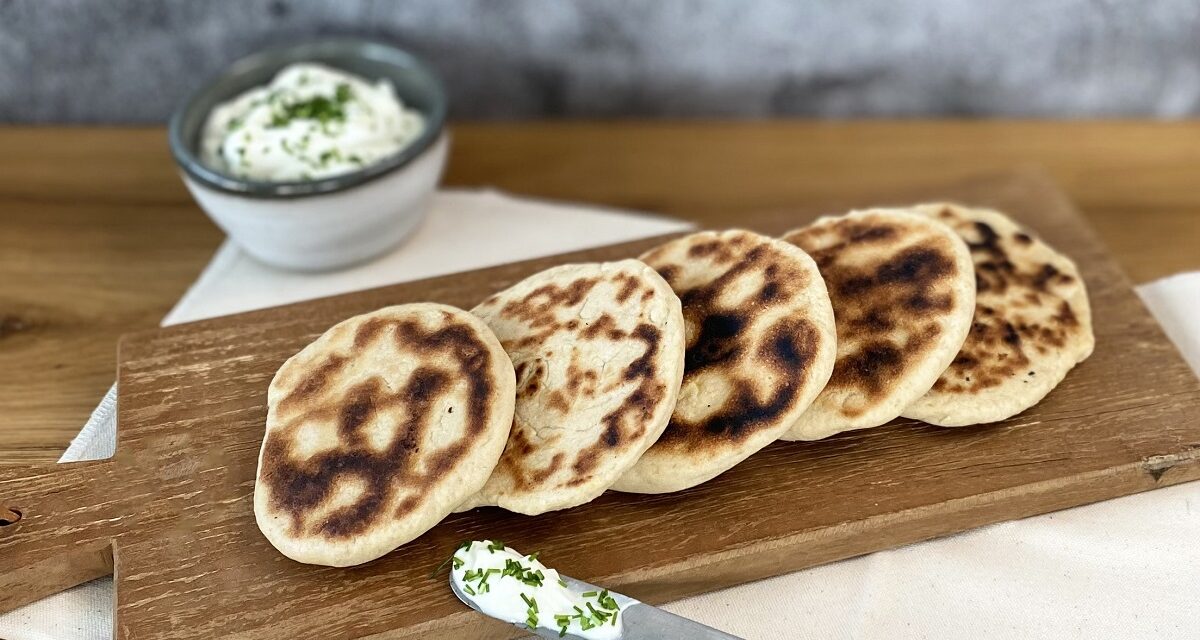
(515, 588)
(310, 122)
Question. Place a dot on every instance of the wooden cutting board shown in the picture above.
(170, 516)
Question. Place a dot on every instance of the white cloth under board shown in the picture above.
(1127, 568)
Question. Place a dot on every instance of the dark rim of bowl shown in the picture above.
(188, 160)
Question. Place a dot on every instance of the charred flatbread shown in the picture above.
(760, 345)
(903, 292)
(378, 429)
(1032, 323)
(598, 349)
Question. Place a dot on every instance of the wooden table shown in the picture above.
(98, 236)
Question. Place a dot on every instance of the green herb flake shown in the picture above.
(343, 93)
(532, 620)
(319, 108)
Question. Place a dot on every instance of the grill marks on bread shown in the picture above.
(619, 428)
(889, 311)
(543, 309)
(1022, 310)
(598, 354)
(728, 338)
(389, 482)
(902, 288)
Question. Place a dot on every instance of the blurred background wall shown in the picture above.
(133, 60)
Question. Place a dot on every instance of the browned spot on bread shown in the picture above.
(1010, 323)
(529, 377)
(298, 487)
(629, 284)
(557, 400)
(873, 367)
(876, 306)
(604, 324)
(316, 382)
(622, 379)
(1065, 316)
(627, 422)
(788, 349)
(515, 461)
(581, 381)
(715, 251)
(721, 342)
(1047, 273)
(537, 307)
(668, 272)
(870, 232)
(540, 476)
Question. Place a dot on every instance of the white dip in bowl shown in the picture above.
(310, 122)
(317, 155)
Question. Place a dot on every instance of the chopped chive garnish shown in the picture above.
(562, 583)
(532, 619)
(468, 589)
(590, 594)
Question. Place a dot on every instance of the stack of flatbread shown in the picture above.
(659, 374)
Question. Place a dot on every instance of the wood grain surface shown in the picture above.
(98, 237)
(172, 511)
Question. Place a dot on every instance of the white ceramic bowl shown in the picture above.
(331, 222)
(328, 231)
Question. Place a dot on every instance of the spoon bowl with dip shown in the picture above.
(317, 155)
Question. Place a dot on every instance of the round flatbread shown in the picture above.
(598, 350)
(378, 429)
(760, 345)
(903, 291)
(1032, 323)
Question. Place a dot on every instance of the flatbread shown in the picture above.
(377, 429)
(760, 346)
(903, 291)
(1032, 323)
(598, 350)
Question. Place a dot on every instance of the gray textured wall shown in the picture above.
(132, 60)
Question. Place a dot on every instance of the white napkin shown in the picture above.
(1125, 568)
